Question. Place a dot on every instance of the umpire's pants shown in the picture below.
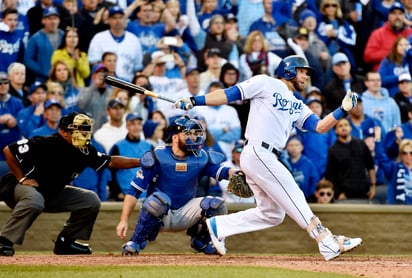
(28, 203)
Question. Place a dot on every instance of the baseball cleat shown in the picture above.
(6, 250)
(130, 248)
(333, 246)
(68, 246)
(219, 244)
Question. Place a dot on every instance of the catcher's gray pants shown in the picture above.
(28, 203)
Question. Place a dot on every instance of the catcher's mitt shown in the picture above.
(238, 185)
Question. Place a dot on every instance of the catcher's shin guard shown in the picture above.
(200, 240)
(150, 219)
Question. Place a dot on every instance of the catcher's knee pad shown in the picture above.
(212, 205)
(157, 204)
(150, 219)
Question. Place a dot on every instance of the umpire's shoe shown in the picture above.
(68, 246)
(6, 247)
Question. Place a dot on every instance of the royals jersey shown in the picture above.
(53, 162)
(177, 176)
(273, 101)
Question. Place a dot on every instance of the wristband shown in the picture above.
(339, 113)
(22, 179)
(198, 100)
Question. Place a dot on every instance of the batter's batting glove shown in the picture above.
(349, 101)
(185, 103)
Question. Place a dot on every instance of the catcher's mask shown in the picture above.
(80, 127)
(193, 131)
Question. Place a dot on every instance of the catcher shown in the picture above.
(170, 176)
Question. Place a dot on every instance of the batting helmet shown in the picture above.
(287, 67)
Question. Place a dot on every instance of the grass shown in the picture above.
(158, 271)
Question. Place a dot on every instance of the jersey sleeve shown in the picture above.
(23, 150)
(98, 160)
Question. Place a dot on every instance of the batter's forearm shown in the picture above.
(326, 123)
(122, 162)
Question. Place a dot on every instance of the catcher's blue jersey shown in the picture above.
(176, 176)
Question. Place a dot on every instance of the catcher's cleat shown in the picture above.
(130, 248)
(219, 244)
(6, 250)
(68, 246)
(333, 246)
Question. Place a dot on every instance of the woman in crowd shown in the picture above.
(393, 65)
(256, 52)
(69, 52)
(61, 73)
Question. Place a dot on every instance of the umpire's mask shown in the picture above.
(81, 131)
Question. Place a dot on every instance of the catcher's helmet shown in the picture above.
(192, 128)
(287, 67)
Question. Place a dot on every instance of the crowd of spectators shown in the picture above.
(54, 56)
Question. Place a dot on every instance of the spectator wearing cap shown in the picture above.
(17, 78)
(316, 145)
(114, 130)
(343, 79)
(42, 44)
(153, 133)
(256, 52)
(192, 78)
(52, 115)
(395, 63)
(31, 117)
(150, 31)
(92, 98)
(318, 49)
(69, 52)
(337, 33)
(177, 56)
(214, 64)
(302, 168)
(232, 32)
(382, 39)
(164, 85)
(35, 14)
(9, 108)
(11, 40)
(403, 97)
(131, 146)
(408, 11)
(298, 44)
(121, 42)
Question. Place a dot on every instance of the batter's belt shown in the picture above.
(267, 146)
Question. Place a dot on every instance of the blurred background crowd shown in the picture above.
(54, 56)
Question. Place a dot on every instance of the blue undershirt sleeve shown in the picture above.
(311, 123)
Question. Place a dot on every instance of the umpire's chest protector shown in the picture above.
(179, 177)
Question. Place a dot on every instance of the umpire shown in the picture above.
(43, 167)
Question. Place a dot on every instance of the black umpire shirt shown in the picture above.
(53, 162)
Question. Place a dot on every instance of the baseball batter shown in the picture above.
(274, 112)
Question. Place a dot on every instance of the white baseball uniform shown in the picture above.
(274, 112)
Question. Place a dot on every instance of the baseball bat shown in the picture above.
(116, 82)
